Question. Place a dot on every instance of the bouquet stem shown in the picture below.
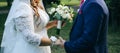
(58, 32)
(58, 27)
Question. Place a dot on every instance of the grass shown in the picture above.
(64, 33)
(2, 4)
(113, 39)
(72, 2)
(2, 0)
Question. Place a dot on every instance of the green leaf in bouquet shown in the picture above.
(71, 10)
(57, 16)
(53, 4)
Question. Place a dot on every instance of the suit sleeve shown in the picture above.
(92, 23)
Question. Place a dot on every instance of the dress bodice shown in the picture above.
(43, 20)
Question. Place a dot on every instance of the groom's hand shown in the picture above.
(60, 42)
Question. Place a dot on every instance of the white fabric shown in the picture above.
(41, 3)
(15, 6)
(21, 34)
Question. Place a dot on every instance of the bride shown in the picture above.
(26, 28)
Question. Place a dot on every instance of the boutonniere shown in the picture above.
(80, 11)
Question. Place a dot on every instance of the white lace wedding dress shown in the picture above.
(26, 36)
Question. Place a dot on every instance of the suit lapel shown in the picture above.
(82, 7)
(79, 14)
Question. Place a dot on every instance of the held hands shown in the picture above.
(60, 41)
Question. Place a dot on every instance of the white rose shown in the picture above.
(59, 11)
(68, 15)
(60, 6)
(66, 11)
(53, 10)
(50, 12)
(66, 8)
(64, 16)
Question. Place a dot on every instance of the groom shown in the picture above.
(88, 34)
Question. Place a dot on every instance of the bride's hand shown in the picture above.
(51, 24)
(54, 23)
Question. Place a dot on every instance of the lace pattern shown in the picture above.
(26, 26)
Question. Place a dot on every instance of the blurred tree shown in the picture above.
(9, 2)
(115, 14)
(114, 20)
(47, 3)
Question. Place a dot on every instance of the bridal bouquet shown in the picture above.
(61, 13)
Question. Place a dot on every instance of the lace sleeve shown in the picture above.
(26, 27)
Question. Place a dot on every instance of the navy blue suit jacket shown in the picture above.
(88, 34)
